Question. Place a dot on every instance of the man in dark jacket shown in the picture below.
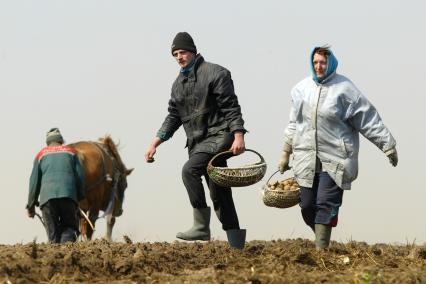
(57, 177)
(204, 102)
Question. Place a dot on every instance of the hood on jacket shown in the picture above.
(331, 66)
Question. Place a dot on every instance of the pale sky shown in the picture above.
(104, 67)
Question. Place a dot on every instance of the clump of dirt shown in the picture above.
(278, 261)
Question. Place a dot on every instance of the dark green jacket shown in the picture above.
(57, 173)
(204, 102)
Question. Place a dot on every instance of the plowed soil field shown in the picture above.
(280, 261)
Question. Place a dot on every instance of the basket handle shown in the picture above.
(262, 160)
(274, 174)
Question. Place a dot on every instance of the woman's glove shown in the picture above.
(393, 156)
(283, 163)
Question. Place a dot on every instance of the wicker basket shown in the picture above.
(236, 177)
(280, 198)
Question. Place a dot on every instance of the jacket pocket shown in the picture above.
(347, 148)
(303, 164)
(224, 141)
(335, 170)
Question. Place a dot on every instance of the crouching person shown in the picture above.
(57, 178)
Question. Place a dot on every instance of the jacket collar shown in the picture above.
(192, 75)
(326, 79)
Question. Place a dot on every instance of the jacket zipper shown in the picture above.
(316, 122)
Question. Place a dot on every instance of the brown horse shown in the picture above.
(105, 183)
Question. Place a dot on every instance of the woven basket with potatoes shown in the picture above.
(281, 194)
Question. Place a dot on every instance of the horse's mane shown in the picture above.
(112, 147)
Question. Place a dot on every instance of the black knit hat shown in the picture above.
(54, 135)
(184, 41)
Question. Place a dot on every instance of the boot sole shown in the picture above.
(196, 239)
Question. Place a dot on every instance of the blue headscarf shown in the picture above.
(331, 66)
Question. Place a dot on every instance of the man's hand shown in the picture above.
(393, 156)
(238, 146)
(150, 152)
(31, 212)
(283, 163)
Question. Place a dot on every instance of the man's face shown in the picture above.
(320, 65)
(183, 57)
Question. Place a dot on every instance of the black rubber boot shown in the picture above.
(236, 238)
(322, 236)
(200, 231)
(69, 235)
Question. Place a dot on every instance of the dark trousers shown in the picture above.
(61, 220)
(223, 204)
(320, 204)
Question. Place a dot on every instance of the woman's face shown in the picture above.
(320, 65)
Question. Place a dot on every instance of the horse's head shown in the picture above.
(121, 187)
(120, 173)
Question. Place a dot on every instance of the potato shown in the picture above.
(287, 184)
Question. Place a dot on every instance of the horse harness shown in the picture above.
(113, 181)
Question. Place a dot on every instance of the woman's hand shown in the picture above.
(283, 163)
(392, 156)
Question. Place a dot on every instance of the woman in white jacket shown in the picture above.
(327, 114)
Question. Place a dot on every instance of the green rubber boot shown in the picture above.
(322, 236)
(200, 231)
(236, 238)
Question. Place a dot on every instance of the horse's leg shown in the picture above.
(110, 224)
(83, 228)
(93, 216)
